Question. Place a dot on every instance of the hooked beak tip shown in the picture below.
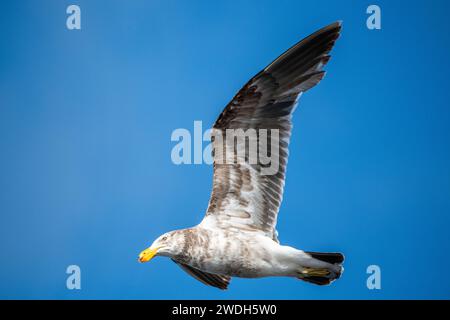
(147, 254)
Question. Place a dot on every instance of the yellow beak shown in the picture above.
(147, 254)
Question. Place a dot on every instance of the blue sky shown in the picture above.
(86, 118)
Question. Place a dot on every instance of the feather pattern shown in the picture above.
(242, 198)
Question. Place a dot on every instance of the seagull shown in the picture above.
(238, 236)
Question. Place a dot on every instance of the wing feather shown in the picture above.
(214, 280)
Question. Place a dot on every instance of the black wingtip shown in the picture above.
(337, 26)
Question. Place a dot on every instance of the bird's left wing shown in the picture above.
(210, 279)
(243, 196)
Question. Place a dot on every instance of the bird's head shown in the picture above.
(169, 244)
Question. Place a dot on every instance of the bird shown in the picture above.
(237, 236)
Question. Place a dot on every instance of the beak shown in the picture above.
(148, 254)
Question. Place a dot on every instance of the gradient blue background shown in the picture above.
(86, 116)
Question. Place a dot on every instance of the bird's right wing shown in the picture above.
(242, 197)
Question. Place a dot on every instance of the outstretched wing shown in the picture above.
(245, 197)
(214, 280)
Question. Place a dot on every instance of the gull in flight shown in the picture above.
(238, 237)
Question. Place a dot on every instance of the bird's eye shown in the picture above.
(164, 238)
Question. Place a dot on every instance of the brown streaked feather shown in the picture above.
(214, 280)
(242, 197)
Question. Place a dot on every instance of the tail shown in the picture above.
(321, 268)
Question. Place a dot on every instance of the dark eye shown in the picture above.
(164, 238)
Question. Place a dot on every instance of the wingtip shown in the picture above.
(333, 27)
(337, 25)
